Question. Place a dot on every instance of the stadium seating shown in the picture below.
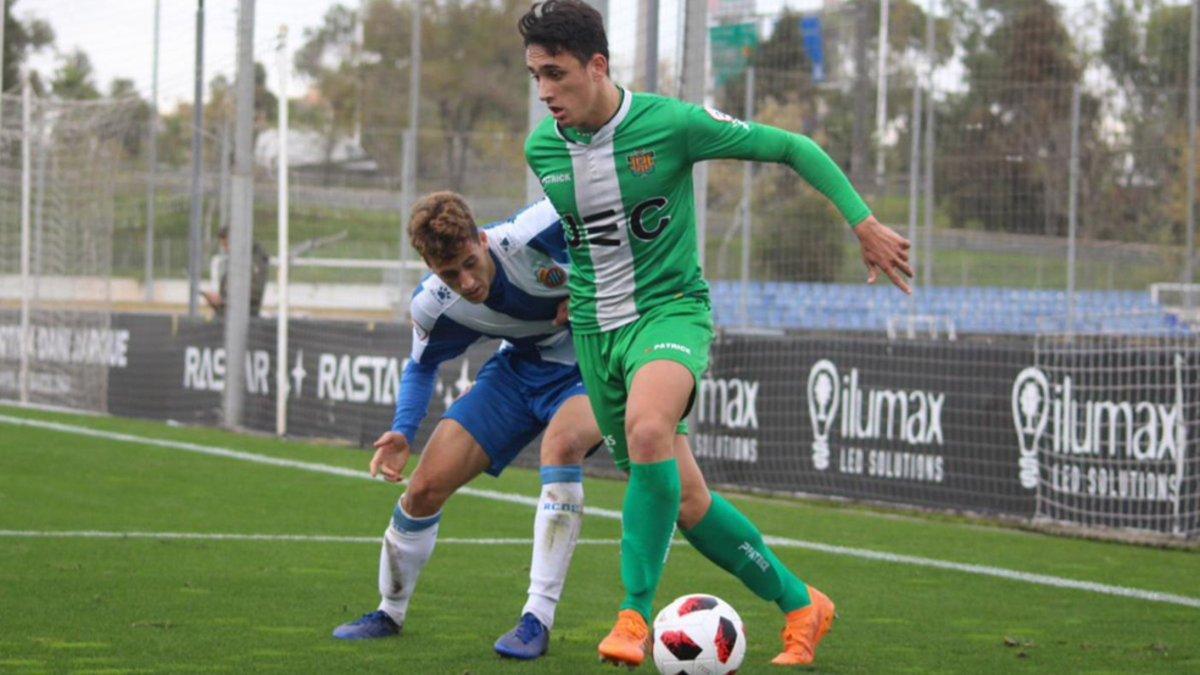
(858, 307)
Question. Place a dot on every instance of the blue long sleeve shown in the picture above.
(412, 403)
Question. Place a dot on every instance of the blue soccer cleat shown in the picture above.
(529, 640)
(377, 624)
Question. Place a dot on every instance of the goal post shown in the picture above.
(64, 167)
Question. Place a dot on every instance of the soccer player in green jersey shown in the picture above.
(618, 168)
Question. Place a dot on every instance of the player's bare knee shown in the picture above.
(564, 448)
(649, 439)
(556, 449)
(424, 497)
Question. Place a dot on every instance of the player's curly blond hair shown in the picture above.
(440, 225)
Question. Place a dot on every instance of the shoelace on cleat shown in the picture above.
(528, 629)
(630, 627)
(372, 616)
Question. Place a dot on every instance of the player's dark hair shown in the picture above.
(440, 225)
(572, 26)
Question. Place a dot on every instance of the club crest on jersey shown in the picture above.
(442, 293)
(641, 162)
(552, 277)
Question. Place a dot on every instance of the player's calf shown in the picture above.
(407, 545)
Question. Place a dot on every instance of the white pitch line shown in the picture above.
(989, 571)
(268, 460)
(301, 538)
(782, 542)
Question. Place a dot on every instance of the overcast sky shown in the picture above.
(118, 34)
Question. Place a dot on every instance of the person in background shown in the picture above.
(260, 265)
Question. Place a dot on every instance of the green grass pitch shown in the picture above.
(185, 605)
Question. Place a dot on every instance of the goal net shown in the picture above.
(1108, 423)
(67, 172)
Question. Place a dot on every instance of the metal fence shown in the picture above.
(954, 117)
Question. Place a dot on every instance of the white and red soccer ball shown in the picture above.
(698, 634)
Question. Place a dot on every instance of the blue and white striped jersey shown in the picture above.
(532, 264)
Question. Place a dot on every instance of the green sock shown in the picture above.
(730, 540)
(647, 523)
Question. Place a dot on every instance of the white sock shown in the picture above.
(555, 533)
(407, 545)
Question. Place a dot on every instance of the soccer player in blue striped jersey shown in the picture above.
(506, 282)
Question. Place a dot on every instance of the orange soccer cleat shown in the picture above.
(804, 630)
(626, 643)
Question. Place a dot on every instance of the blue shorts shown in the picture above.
(512, 401)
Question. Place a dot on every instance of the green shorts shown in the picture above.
(679, 331)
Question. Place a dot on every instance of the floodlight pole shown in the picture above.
(3, 17)
(1189, 258)
(881, 95)
(281, 325)
(1072, 207)
(931, 54)
(747, 205)
(650, 46)
(692, 87)
(194, 246)
(26, 186)
(408, 166)
(241, 229)
(152, 159)
(914, 183)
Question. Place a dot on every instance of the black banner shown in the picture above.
(343, 376)
(1096, 431)
(922, 423)
(1107, 428)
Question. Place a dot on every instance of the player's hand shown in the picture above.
(883, 250)
(563, 317)
(391, 456)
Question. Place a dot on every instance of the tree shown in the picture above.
(473, 79)
(840, 111)
(1004, 145)
(797, 234)
(266, 103)
(475, 73)
(131, 134)
(74, 79)
(21, 39)
(1145, 49)
(329, 57)
(175, 135)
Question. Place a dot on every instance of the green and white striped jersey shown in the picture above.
(625, 197)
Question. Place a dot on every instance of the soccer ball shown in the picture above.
(698, 634)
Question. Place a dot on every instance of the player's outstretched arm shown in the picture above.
(412, 402)
(714, 135)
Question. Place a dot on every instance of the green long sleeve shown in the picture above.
(714, 135)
